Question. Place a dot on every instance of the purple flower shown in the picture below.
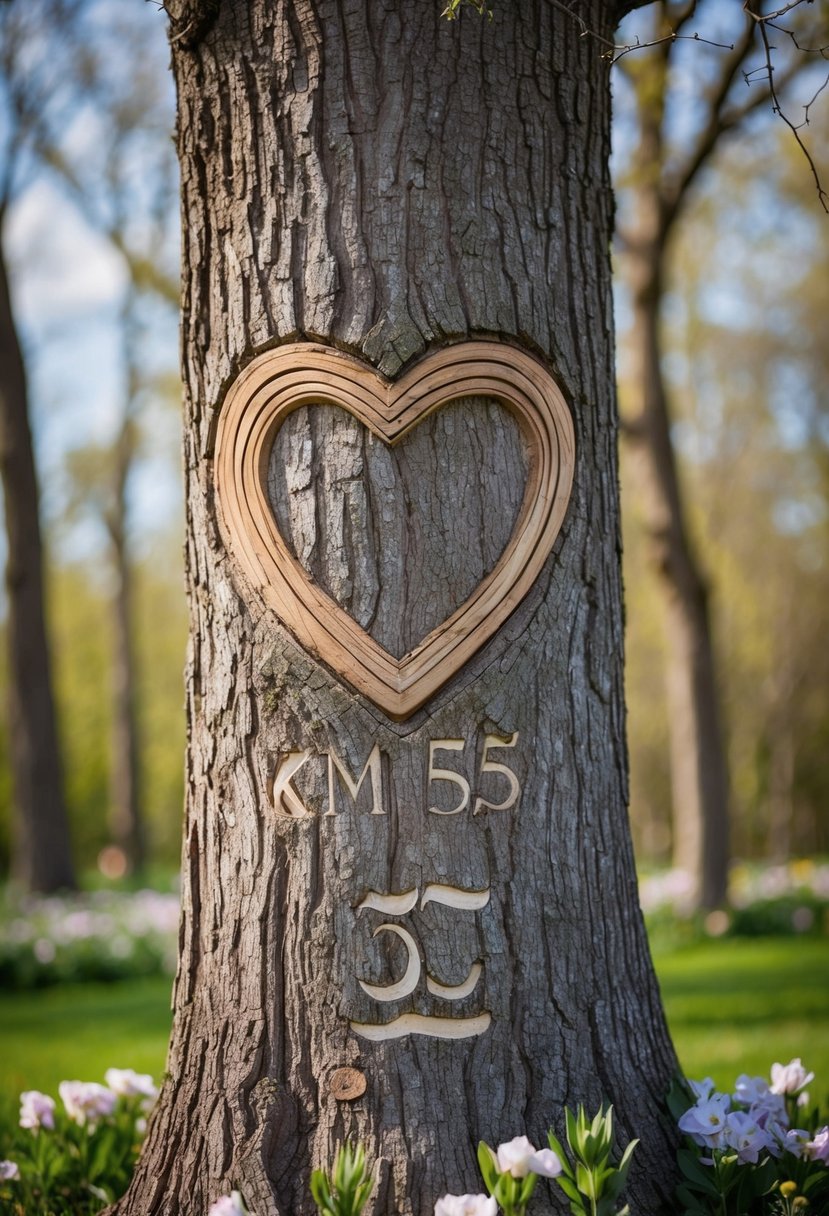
(9, 1171)
(705, 1122)
(795, 1141)
(744, 1134)
(36, 1110)
(702, 1089)
(752, 1091)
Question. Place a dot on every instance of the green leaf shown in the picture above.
(568, 1186)
(488, 1165)
(572, 1130)
(696, 1173)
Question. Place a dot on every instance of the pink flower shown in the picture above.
(9, 1171)
(86, 1100)
(36, 1110)
(129, 1084)
(818, 1148)
(789, 1078)
(466, 1205)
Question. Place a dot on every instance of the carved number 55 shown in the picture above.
(487, 766)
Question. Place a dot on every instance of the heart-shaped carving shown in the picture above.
(283, 380)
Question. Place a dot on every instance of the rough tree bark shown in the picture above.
(42, 859)
(376, 178)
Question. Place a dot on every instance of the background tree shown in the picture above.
(743, 352)
(387, 181)
(101, 142)
(42, 857)
(124, 184)
(661, 164)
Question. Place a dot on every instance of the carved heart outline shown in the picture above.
(282, 380)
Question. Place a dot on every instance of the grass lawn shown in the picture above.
(733, 1006)
(77, 1031)
(738, 1005)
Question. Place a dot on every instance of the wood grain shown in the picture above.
(281, 381)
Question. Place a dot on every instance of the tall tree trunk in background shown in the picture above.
(384, 182)
(42, 859)
(698, 759)
(126, 814)
(699, 773)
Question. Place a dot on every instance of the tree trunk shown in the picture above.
(126, 817)
(42, 859)
(699, 765)
(699, 775)
(373, 177)
(127, 820)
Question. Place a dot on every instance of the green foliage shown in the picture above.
(345, 1191)
(71, 1169)
(591, 1181)
(454, 7)
(768, 1179)
(81, 642)
(105, 935)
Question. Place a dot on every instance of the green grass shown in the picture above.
(733, 1006)
(740, 1004)
(77, 1031)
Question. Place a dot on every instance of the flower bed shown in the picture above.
(102, 935)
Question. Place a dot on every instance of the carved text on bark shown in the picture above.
(432, 1025)
(283, 380)
(286, 799)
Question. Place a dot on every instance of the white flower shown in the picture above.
(466, 1205)
(789, 1078)
(129, 1084)
(546, 1163)
(745, 1135)
(86, 1100)
(36, 1110)
(705, 1122)
(818, 1148)
(229, 1205)
(8, 1171)
(514, 1157)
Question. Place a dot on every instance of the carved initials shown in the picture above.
(283, 796)
(372, 766)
